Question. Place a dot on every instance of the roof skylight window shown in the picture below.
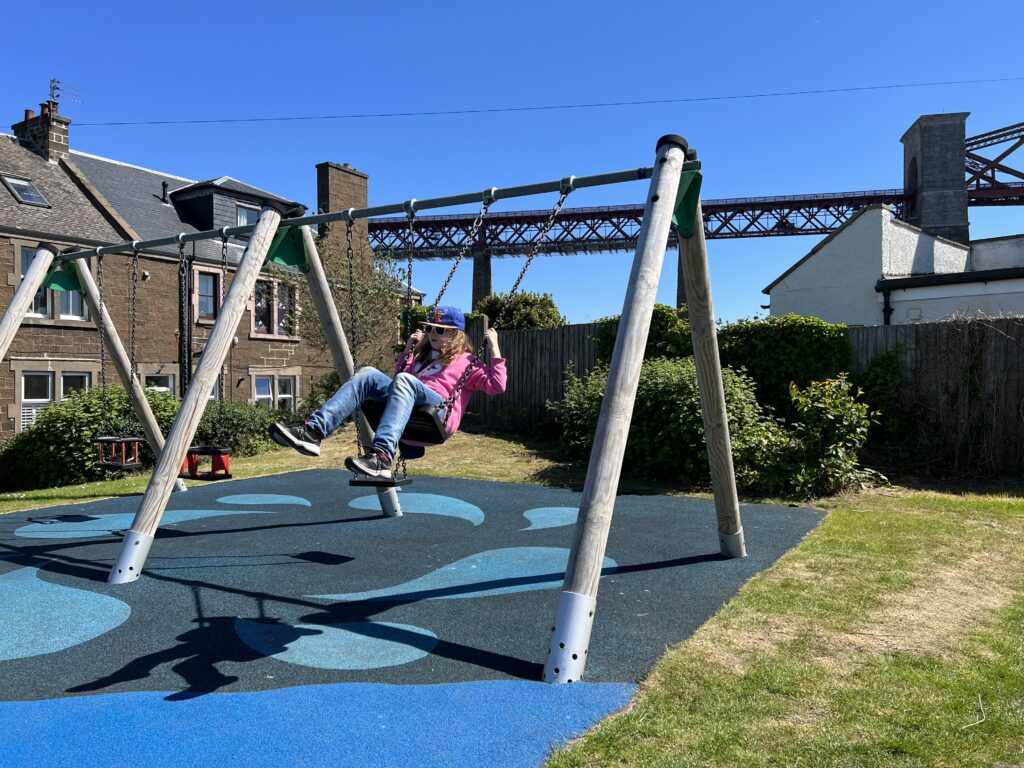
(24, 191)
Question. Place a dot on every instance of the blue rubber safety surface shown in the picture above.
(284, 621)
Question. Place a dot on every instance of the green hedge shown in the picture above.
(58, 449)
(525, 311)
(778, 351)
(816, 455)
(669, 335)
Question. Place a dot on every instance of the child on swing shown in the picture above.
(426, 373)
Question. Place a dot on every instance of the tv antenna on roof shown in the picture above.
(60, 90)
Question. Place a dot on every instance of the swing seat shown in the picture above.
(425, 425)
(220, 463)
(362, 481)
(117, 452)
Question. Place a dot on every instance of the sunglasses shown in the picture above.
(437, 330)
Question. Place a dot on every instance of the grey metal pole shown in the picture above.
(320, 292)
(139, 538)
(574, 617)
(407, 206)
(23, 296)
(693, 258)
(123, 365)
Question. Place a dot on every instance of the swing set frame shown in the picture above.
(673, 199)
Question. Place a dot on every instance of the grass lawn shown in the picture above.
(893, 635)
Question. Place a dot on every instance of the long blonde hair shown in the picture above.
(454, 345)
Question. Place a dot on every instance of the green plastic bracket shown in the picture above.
(62, 277)
(686, 202)
(287, 249)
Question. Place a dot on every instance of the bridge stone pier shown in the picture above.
(933, 175)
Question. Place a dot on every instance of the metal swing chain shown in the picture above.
(133, 312)
(184, 320)
(361, 442)
(468, 243)
(410, 247)
(220, 305)
(538, 241)
(105, 424)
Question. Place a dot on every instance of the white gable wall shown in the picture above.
(906, 250)
(998, 253)
(837, 283)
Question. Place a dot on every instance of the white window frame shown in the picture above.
(86, 374)
(169, 387)
(70, 316)
(273, 400)
(47, 294)
(32, 407)
(272, 331)
(239, 207)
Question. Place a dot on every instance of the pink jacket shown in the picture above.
(485, 377)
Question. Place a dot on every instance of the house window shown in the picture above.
(36, 396)
(276, 391)
(262, 314)
(246, 215)
(285, 309)
(159, 382)
(73, 382)
(209, 296)
(24, 191)
(72, 306)
(274, 309)
(41, 301)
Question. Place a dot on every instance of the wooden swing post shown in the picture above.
(574, 617)
(100, 316)
(139, 538)
(320, 292)
(24, 295)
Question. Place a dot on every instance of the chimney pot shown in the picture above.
(29, 114)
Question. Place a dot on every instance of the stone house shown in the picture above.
(55, 194)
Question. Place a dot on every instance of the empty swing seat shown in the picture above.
(220, 463)
(425, 425)
(117, 452)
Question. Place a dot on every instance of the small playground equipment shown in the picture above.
(673, 198)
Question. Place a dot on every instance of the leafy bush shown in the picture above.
(58, 448)
(666, 437)
(669, 335)
(832, 428)
(894, 428)
(816, 456)
(777, 351)
(525, 311)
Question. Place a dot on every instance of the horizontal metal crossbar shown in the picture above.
(408, 207)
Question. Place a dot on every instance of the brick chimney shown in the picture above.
(47, 133)
(339, 187)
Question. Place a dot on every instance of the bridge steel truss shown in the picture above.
(988, 181)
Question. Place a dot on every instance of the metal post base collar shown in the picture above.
(389, 503)
(130, 560)
(732, 544)
(570, 638)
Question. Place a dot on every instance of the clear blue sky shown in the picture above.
(190, 60)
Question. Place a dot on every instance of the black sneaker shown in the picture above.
(297, 436)
(375, 465)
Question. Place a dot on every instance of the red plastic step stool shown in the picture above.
(220, 463)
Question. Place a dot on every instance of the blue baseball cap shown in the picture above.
(450, 316)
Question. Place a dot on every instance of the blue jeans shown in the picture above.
(402, 394)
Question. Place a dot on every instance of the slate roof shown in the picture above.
(135, 193)
(71, 215)
(234, 185)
